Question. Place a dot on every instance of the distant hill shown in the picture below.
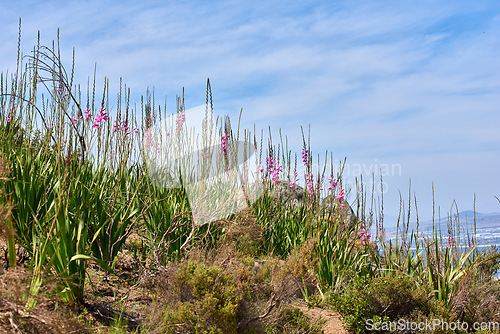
(483, 221)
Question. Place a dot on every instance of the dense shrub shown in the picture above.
(207, 300)
(366, 301)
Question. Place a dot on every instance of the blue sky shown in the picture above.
(410, 85)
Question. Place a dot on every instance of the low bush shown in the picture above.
(205, 300)
(366, 301)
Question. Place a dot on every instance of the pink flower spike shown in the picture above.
(88, 115)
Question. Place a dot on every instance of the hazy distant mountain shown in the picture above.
(483, 220)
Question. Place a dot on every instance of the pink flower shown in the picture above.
(149, 137)
(333, 184)
(181, 118)
(304, 155)
(8, 119)
(224, 140)
(75, 120)
(274, 168)
(342, 205)
(340, 196)
(309, 183)
(88, 115)
(365, 236)
(102, 115)
(451, 242)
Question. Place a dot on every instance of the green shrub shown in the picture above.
(354, 306)
(387, 299)
(208, 300)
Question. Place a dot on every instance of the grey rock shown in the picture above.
(330, 202)
(283, 194)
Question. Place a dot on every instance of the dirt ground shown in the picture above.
(333, 323)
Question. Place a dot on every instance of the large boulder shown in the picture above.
(330, 204)
(283, 194)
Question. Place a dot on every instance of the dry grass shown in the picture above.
(48, 317)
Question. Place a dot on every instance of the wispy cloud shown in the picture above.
(405, 82)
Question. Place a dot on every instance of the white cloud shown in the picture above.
(385, 79)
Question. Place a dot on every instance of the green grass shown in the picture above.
(78, 187)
